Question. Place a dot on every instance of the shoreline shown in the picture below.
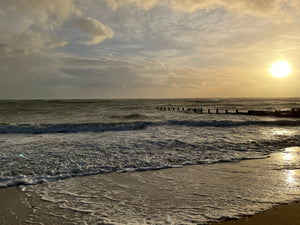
(282, 214)
(12, 200)
(169, 195)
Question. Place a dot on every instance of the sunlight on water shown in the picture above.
(281, 132)
(290, 178)
(290, 159)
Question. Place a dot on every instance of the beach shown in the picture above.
(287, 214)
(167, 196)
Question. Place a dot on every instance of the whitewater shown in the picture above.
(47, 141)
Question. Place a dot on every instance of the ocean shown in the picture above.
(54, 149)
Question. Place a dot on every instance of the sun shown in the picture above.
(280, 69)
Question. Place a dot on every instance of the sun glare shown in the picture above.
(280, 69)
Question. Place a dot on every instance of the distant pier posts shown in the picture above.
(217, 111)
(294, 112)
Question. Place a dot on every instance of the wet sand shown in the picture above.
(147, 197)
(15, 211)
(280, 215)
(12, 209)
(18, 209)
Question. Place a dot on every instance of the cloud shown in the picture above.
(146, 5)
(261, 8)
(29, 43)
(30, 26)
(95, 29)
(48, 14)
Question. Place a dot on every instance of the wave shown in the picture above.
(230, 123)
(130, 116)
(103, 127)
(24, 179)
(70, 127)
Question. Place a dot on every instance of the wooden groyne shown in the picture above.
(293, 113)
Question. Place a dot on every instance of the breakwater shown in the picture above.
(293, 113)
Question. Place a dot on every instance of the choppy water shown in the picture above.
(44, 141)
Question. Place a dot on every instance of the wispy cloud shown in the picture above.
(139, 48)
(255, 7)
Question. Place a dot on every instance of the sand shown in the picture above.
(12, 208)
(152, 193)
(17, 209)
(279, 215)
(12, 200)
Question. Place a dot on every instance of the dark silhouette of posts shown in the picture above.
(217, 111)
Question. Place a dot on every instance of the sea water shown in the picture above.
(47, 141)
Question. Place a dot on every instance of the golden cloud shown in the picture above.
(261, 8)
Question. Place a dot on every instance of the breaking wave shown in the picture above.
(103, 127)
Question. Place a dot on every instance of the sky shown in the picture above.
(147, 48)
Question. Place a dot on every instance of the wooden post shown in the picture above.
(237, 111)
(208, 111)
(201, 110)
(217, 111)
(226, 111)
